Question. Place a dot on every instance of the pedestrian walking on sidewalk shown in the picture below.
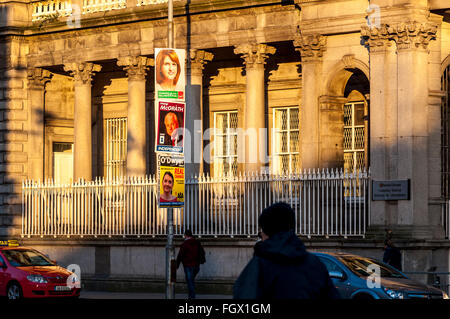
(281, 268)
(191, 255)
(392, 255)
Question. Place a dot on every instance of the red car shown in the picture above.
(26, 273)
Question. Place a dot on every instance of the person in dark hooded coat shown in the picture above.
(281, 268)
(191, 255)
(392, 255)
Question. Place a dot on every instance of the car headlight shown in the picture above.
(394, 294)
(37, 279)
(444, 295)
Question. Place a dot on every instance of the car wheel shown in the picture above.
(14, 292)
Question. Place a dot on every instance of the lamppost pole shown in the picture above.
(170, 24)
(170, 250)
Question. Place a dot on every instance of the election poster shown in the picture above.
(170, 78)
(170, 127)
(171, 180)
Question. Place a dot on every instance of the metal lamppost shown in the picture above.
(170, 250)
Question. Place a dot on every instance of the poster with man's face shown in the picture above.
(171, 180)
(170, 78)
(170, 127)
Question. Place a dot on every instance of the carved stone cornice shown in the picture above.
(198, 59)
(310, 46)
(254, 54)
(82, 72)
(37, 78)
(413, 35)
(378, 39)
(136, 66)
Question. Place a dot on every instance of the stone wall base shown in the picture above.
(155, 285)
(139, 265)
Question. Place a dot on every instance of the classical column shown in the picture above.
(255, 56)
(82, 73)
(136, 67)
(435, 96)
(311, 48)
(383, 117)
(37, 78)
(331, 131)
(193, 147)
(412, 45)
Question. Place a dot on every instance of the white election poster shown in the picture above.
(170, 78)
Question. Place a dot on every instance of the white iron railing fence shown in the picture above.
(326, 203)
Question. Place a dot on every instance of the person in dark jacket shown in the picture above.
(392, 255)
(281, 268)
(190, 255)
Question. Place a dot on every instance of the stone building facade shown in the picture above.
(69, 70)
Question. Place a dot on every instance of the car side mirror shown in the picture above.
(3, 265)
(337, 275)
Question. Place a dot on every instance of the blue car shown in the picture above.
(358, 277)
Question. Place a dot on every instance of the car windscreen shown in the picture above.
(23, 258)
(363, 267)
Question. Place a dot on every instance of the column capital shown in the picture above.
(135, 66)
(311, 46)
(413, 35)
(37, 78)
(254, 54)
(378, 38)
(198, 59)
(82, 72)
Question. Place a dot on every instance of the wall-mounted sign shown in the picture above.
(391, 190)
(171, 180)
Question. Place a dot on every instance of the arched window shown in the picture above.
(356, 123)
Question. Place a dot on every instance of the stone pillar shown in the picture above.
(412, 44)
(311, 48)
(136, 68)
(383, 118)
(193, 147)
(435, 97)
(331, 131)
(82, 73)
(255, 56)
(37, 78)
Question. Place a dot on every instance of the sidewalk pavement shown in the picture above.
(142, 295)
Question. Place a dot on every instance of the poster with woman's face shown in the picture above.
(170, 78)
(171, 180)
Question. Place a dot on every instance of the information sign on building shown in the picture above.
(391, 190)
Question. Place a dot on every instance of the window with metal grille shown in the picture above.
(116, 147)
(354, 136)
(225, 143)
(285, 141)
(445, 134)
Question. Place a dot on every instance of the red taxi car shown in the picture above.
(26, 273)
